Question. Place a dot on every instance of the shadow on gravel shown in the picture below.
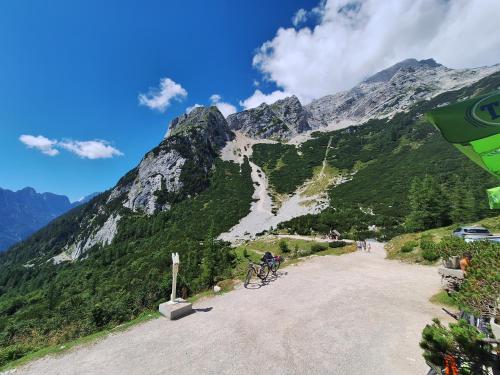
(257, 284)
(205, 309)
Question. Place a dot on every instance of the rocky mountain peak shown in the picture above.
(280, 120)
(165, 173)
(206, 121)
(407, 65)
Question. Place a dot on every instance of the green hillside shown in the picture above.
(49, 304)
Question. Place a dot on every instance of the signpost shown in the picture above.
(175, 271)
(176, 307)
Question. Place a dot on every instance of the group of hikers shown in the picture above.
(363, 246)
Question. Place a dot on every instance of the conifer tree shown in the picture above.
(428, 204)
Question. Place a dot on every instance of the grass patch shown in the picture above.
(442, 298)
(394, 247)
(350, 248)
(61, 348)
(271, 244)
(321, 180)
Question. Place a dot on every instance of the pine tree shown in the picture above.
(429, 206)
(209, 262)
(462, 202)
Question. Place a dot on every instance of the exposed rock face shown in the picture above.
(164, 174)
(205, 121)
(280, 120)
(389, 91)
(174, 170)
(155, 172)
(99, 236)
(392, 90)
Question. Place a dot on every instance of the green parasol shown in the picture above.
(473, 126)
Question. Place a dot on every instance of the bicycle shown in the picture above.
(260, 270)
(275, 263)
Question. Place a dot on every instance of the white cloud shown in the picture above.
(189, 109)
(160, 98)
(354, 39)
(225, 108)
(41, 143)
(258, 97)
(299, 17)
(97, 149)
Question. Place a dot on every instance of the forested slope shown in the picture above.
(381, 159)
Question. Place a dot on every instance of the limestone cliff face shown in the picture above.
(389, 91)
(178, 168)
(280, 120)
(166, 173)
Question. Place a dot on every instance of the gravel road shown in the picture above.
(351, 314)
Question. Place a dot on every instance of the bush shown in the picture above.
(426, 243)
(303, 252)
(409, 246)
(283, 245)
(336, 244)
(461, 341)
(316, 248)
(429, 249)
(13, 352)
(479, 292)
(451, 246)
(430, 254)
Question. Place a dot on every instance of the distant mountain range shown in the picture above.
(25, 211)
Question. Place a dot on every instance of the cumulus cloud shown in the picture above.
(189, 109)
(160, 98)
(95, 149)
(224, 107)
(299, 17)
(258, 97)
(354, 39)
(41, 143)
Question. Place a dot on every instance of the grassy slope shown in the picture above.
(393, 247)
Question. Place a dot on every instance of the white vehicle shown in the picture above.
(490, 238)
(471, 232)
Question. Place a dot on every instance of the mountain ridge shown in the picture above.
(381, 95)
(24, 211)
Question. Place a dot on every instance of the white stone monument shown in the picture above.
(176, 307)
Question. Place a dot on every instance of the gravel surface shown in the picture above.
(350, 314)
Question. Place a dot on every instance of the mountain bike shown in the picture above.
(260, 270)
(274, 264)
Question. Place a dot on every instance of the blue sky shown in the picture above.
(72, 72)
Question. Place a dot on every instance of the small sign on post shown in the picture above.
(175, 271)
(176, 307)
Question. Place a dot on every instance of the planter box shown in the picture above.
(452, 262)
